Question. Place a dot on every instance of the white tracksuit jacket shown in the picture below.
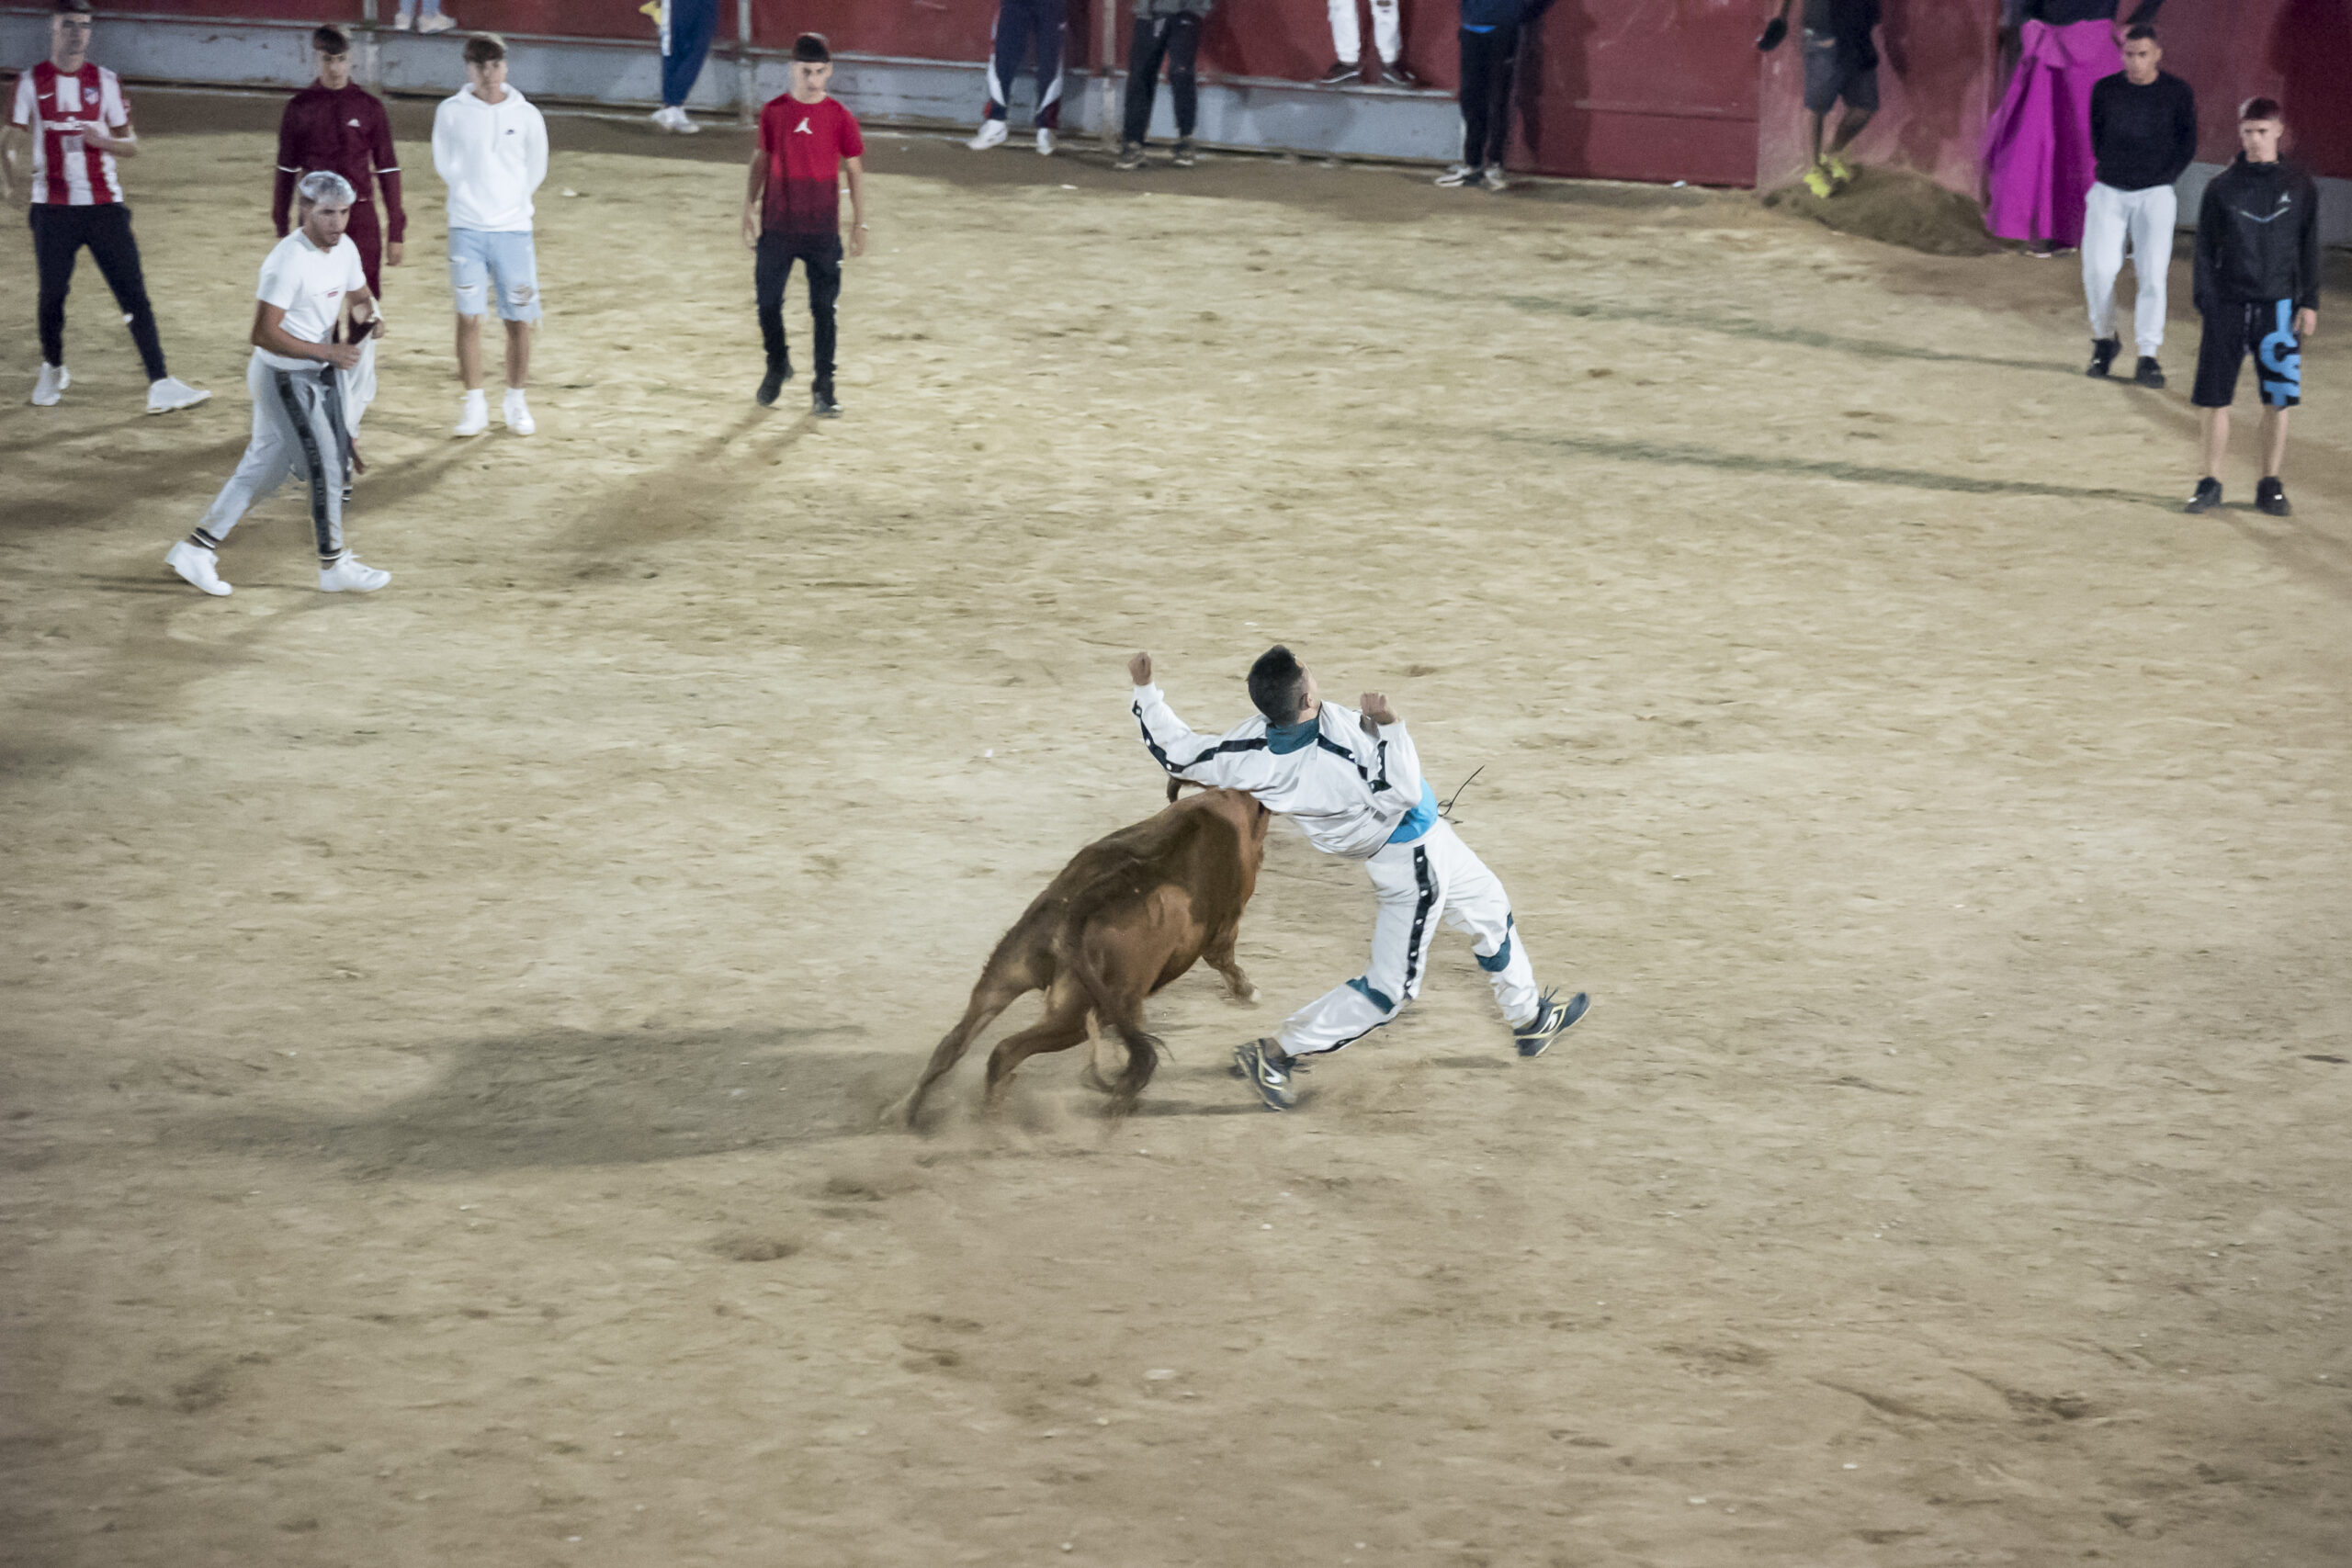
(1351, 791)
(492, 156)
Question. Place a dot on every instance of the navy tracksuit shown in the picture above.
(1018, 22)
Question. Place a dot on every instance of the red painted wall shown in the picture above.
(1619, 89)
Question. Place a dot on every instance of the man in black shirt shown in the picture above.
(2143, 132)
(2257, 283)
(1840, 64)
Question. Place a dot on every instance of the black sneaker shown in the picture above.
(1398, 75)
(1183, 157)
(1268, 1070)
(773, 383)
(1537, 1035)
(2207, 496)
(2148, 373)
(1130, 157)
(1343, 71)
(820, 402)
(2270, 498)
(2103, 352)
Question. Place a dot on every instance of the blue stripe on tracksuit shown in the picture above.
(1018, 24)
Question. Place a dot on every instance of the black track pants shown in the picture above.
(823, 258)
(59, 233)
(1487, 61)
(1177, 40)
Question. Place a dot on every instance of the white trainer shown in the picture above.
(1045, 143)
(170, 393)
(661, 118)
(435, 23)
(517, 413)
(52, 385)
(683, 123)
(403, 19)
(349, 574)
(199, 567)
(992, 134)
(473, 414)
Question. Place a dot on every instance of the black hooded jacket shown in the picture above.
(2257, 237)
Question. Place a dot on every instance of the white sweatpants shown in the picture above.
(1388, 35)
(1434, 875)
(298, 430)
(2146, 219)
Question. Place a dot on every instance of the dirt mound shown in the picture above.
(1899, 208)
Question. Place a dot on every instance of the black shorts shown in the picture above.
(1830, 74)
(2264, 328)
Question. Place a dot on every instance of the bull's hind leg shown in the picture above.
(1063, 1026)
(1219, 954)
(990, 997)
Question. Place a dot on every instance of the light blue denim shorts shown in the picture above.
(481, 259)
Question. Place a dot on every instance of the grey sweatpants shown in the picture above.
(297, 429)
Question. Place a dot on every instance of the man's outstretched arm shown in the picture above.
(1172, 744)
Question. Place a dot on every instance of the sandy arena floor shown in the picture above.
(444, 1029)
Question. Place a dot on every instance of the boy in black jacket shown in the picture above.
(2257, 286)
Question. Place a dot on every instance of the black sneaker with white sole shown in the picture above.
(771, 384)
(1268, 1072)
(1396, 74)
(2207, 496)
(821, 403)
(2103, 352)
(1551, 1019)
(1343, 71)
(2148, 373)
(2270, 498)
(1184, 157)
(1130, 157)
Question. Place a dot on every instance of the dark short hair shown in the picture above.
(1278, 685)
(484, 48)
(2262, 108)
(2142, 31)
(330, 40)
(812, 47)
(75, 8)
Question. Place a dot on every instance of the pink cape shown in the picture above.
(2038, 163)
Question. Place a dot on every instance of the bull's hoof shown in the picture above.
(1246, 996)
(900, 1114)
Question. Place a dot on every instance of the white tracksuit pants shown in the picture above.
(1434, 875)
(299, 429)
(1388, 35)
(2146, 219)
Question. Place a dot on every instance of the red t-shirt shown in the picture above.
(806, 145)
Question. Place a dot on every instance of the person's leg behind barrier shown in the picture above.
(1476, 903)
(1053, 27)
(1009, 48)
(116, 250)
(1147, 47)
(2103, 232)
(692, 23)
(1347, 38)
(823, 261)
(1498, 103)
(1388, 30)
(2153, 217)
(1411, 894)
(1183, 87)
(1477, 96)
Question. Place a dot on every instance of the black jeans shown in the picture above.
(1487, 61)
(822, 257)
(59, 234)
(1177, 40)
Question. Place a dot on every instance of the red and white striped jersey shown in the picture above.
(68, 171)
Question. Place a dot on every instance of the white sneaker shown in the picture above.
(992, 134)
(661, 118)
(170, 393)
(198, 566)
(403, 19)
(437, 23)
(517, 413)
(473, 414)
(683, 123)
(349, 574)
(54, 380)
(1044, 141)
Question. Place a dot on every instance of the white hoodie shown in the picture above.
(492, 156)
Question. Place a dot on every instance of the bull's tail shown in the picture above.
(1119, 1015)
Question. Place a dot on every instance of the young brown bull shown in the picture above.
(1126, 916)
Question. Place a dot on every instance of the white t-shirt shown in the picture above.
(309, 285)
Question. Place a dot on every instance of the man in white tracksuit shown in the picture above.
(489, 147)
(304, 387)
(1353, 782)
